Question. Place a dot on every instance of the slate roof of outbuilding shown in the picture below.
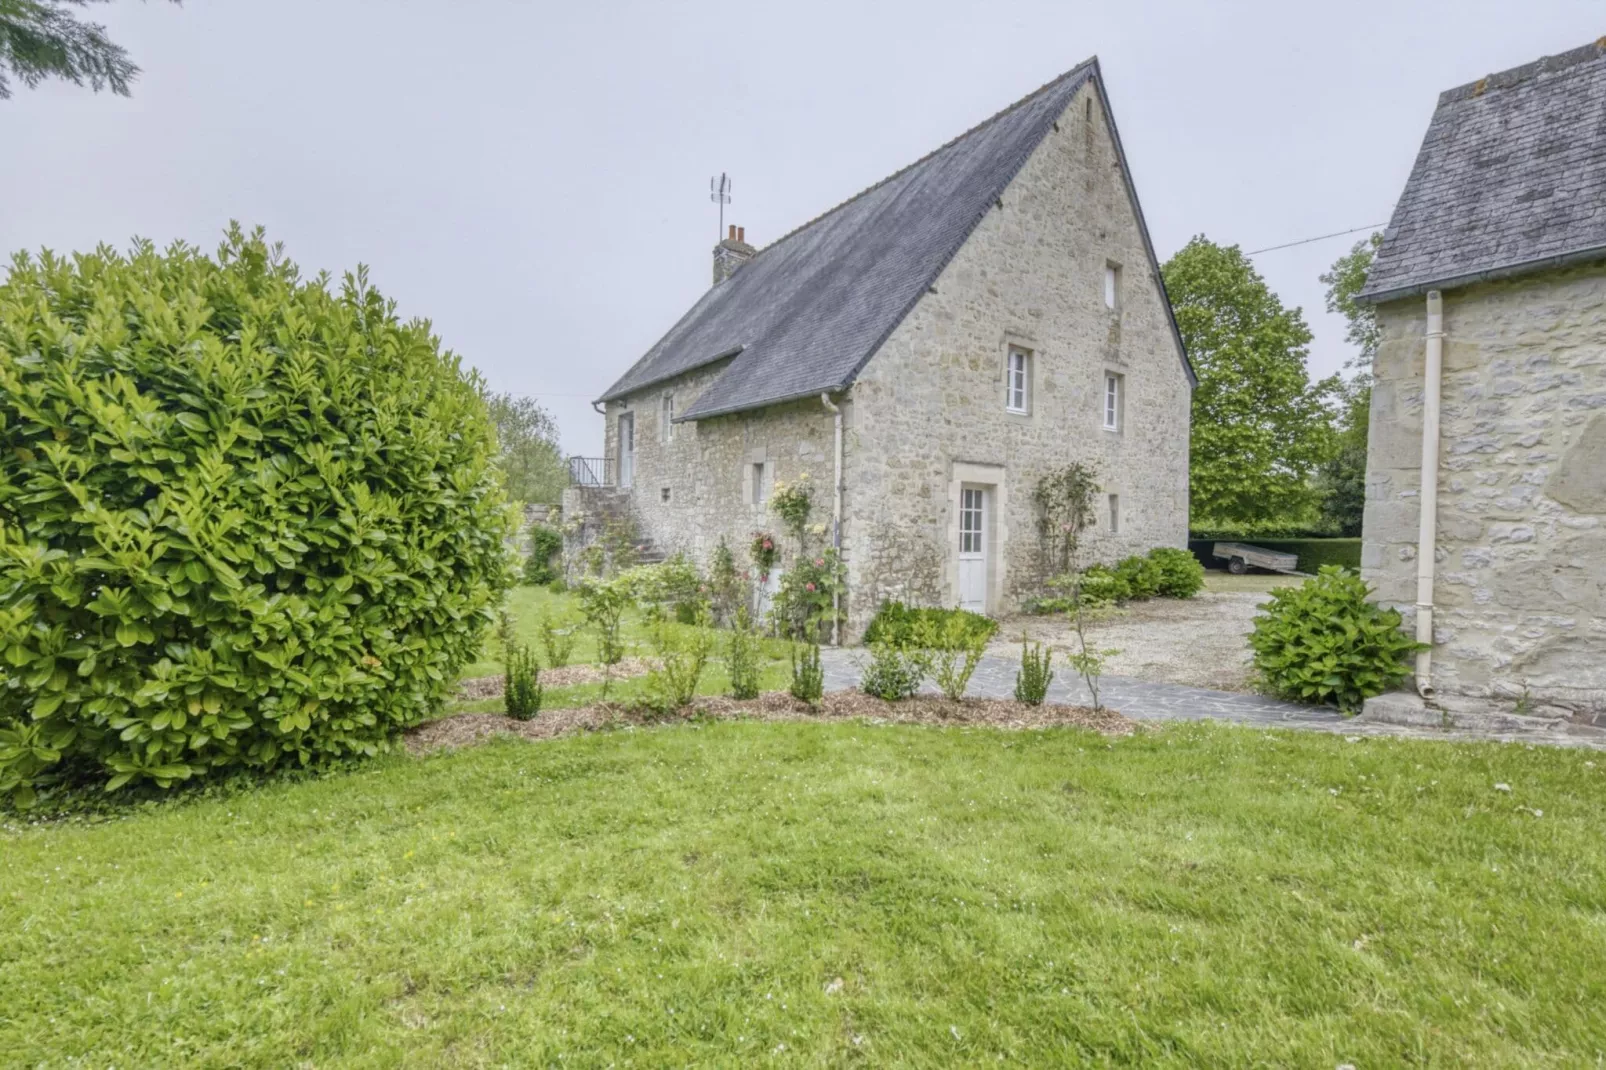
(1511, 178)
(806, 313)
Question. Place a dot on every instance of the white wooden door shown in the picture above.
(973, 549)
(627, 449)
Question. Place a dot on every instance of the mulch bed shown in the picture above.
(467, 729)
(479, 687)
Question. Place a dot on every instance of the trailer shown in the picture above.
(1240, 556)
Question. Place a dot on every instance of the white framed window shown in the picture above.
(1115, 514)
(1112, 286)
(666, 418)
(970, 514)
(1112, 401)
(761, 490)
(1017, 380)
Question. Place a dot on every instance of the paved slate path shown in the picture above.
(1148, 700)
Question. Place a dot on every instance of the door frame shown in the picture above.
(995, 537)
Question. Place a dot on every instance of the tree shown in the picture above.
(42, 39)
(1343, 281)
(1260, 426)
(1342, 479)
(531, 460)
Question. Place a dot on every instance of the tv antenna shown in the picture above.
(719, 191)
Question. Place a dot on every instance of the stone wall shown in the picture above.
(706, 467)
(931, 403)
(1520, 596)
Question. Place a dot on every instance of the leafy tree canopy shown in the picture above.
(531, 459)
(1260, 426)
(42, 39)
(1342, 479)
(1343, 281)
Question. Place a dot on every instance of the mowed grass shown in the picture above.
(840, 894)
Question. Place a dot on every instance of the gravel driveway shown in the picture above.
(1200, 642)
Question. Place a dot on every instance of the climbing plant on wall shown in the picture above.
(1064, 502)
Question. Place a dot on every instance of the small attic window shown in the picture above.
(1112, 286)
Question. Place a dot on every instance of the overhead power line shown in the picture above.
(1319, 237)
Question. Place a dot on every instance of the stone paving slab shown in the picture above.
(1150, 700)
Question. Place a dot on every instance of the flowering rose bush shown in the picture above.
(803, 607)
(792, 503)
(764, 554)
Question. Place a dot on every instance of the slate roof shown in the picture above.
(806, 313)
(1511, 178)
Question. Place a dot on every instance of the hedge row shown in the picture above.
(1313, 553)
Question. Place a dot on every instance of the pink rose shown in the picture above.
(810, 586)
(819, 562)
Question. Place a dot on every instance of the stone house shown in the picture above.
(924, 352)
(1490, 291)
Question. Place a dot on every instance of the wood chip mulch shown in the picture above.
(468, 729)
(479, 687)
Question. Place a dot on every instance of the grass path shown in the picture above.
(834, 894)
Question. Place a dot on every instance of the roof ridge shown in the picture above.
(1091, 61)
(1517, 75)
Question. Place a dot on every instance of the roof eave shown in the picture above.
(1504, 271)
(614, 393)
(692, 415)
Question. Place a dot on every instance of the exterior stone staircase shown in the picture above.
(592, 513)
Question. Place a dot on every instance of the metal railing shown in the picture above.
(589, 472)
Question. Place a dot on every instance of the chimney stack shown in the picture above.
(731, 253)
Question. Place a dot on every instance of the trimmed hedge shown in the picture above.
(245, 522)
(1313, 553)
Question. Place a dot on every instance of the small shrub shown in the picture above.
(951, 651)
(1323, 641)
(726, 589)
(893, 673)
(672, 588)
(557, 642)
(521, 683)
(603, 602)
(742, 657)
(896, 623)
(1142, 576)
(545, 544)
(682, 656)
(1100, 586)
(1181, 574)
(808, 679)
(1036, 673)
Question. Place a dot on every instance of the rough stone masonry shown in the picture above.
(1520, 597)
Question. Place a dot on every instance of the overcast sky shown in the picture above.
(533, 177)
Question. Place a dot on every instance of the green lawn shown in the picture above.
(806, 894)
